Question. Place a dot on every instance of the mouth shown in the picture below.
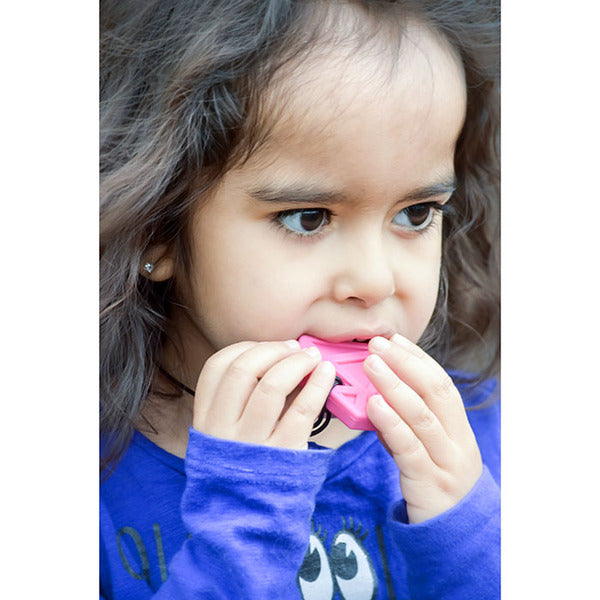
(361, 337)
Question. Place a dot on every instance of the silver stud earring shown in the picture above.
(149, 267)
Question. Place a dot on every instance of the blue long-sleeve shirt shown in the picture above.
(241, 521)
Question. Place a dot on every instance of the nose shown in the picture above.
(365, 272)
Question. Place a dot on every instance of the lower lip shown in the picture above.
(342, 339)
(349, 337)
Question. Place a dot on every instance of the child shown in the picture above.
(277, 168)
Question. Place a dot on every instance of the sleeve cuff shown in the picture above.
(452, 528)
(211, 455)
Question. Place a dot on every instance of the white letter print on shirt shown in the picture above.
(347, 568)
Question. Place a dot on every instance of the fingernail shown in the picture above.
(326, 368)
(401, 341)
(292, 344)
(380, 344)
(375, 363)
(313, 352)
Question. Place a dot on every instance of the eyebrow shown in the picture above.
(295, 194)
(430, 191)
(298, 194)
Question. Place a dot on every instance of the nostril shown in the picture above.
(364, 287)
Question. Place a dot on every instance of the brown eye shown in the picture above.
(418, 214)
(311, 220)
(416, 217)
(304, 221)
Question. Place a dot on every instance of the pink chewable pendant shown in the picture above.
(348, 398)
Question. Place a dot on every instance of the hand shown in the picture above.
(421, 420)
(242, 393)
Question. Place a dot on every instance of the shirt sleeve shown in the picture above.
(455, 555)
(248, 511)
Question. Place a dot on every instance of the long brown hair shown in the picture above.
(181, 89)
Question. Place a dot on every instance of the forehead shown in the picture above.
(341, 112)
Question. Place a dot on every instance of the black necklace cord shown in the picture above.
(181, 386)
(321, 423)
(325, 416)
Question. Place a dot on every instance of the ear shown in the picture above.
(162, 261)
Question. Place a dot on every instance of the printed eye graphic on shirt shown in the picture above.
(314, 577)
(347, 568)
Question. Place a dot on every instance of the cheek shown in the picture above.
(248, 293)
(431, 277)
(422, 289)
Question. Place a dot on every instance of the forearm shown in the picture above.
(248, 512)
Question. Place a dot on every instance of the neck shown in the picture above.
(170, 420)
(335, 435)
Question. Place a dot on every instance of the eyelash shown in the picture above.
(328, 215)
(280, 216)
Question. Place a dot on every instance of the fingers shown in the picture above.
(296, 424)
(398, 438)
(213, 371)
(420, 417)
(427, 379)
(415, 427)
(267, 401)
(230, 375)
(242, 393)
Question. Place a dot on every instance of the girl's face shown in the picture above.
(332, 228)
